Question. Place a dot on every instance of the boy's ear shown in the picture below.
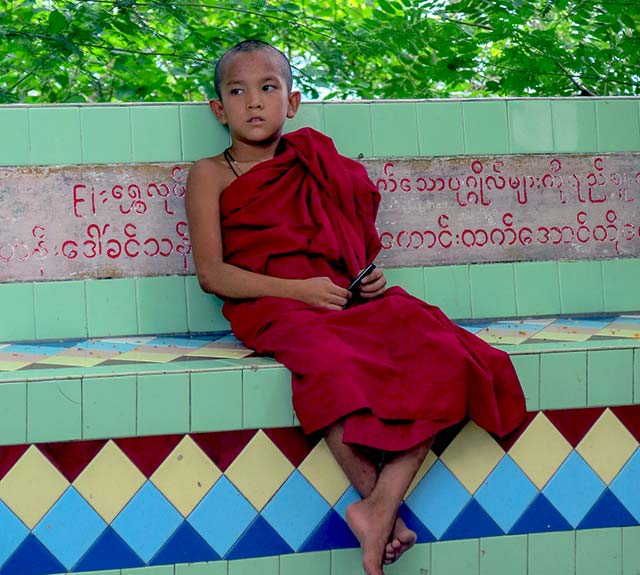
(294, 103)
(218, 109)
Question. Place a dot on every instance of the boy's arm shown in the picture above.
(204, 186)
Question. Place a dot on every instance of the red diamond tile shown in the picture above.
(223, 446)
(147, 453)
(9, 454)
(629, 415)
(574, 423)
(507, 441)
(70, 458)
(293, 444)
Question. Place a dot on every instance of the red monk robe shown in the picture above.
(397, 367)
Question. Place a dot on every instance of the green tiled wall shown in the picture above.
(69, 134)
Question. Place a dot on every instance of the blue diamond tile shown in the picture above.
(69, 528)
(185, 546)
(540, 516)
(13, 532)
(473, 522)
(348, 497)
(222, 516)
(574, 488)
(147, 521)
(332, 533)
(626, 486)
(32, 558)
(109, 552)
(607, 512)
(506, 493)
(260, 540)
(295, 510)
(413, 523)
(438, 499)
(36, 349)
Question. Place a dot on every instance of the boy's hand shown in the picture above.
(373, 285)
(322, 292)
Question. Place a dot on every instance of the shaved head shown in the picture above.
(250, 46)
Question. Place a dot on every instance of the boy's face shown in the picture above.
(255, 100)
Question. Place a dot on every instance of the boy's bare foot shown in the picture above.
(402, 539)
(372, 530)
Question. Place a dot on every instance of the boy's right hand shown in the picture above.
(322, 292)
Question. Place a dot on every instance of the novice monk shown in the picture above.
(280, 224)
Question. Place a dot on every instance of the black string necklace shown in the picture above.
(235, 167)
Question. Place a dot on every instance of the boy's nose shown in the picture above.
(254, 102)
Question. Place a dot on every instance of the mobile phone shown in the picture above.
(355, 284)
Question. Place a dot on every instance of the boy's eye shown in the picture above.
(235, 91)
(268, 87)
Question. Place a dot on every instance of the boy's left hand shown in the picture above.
(373, 285)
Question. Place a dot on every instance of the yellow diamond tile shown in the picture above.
(260, 470)
(186, 476)
(472, 455)
(323, 472)
(109, 481)
(428, 462)
(540, 450)
(607, 446)
(32, 486)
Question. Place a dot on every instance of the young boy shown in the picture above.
(279, 227)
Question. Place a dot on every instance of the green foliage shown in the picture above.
(157, 50)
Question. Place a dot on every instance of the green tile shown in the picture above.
(204, 311)
(259, 566)
(459, 557)
(54, 411)
(306, 563)
(449, 288)
(310, 114)
(492, 290)
(109, 407)
(619, 275)
(13, 413)
(440, 131)
(636, 376)
(111, 307)
(528, 369)
(411, 279)
(563, 380)
(552, 553)
(14, 150)
(54, 134)
(162, 305)
(109, 572)
(210, 568)
(610, 377)
(155, 132)
(106, 134)
(631, 551)
(349, 124)
(60, 309)
(537, 288)
(599, 551)
(395, 129)
(416, 561)
(202, 134)
(574, 125)
(530, 128)
(266, 398)
(163, 404)
(216, 400)
(17, 313)
(346, 562)
(503, 555)
(485, 127)
(618, 125)
(156, 570)
(581, 288)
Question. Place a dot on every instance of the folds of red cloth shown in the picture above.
(396, 369)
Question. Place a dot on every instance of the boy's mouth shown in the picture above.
(256, 120)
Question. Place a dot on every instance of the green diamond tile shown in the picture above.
(111, 307)
(163, 404)
(17, 312)
(109, 407)
(54, 410)
(216, 400)
(448, 287)
(563, 380)
(349, 124)
(106, 134)
(13, 413)
(60, 309)
(440, 129)
(267, 398)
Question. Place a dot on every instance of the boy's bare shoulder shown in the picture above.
(209, 175)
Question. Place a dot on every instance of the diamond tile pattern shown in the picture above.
(232, 495)
(223, 345)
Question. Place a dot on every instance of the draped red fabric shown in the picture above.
(397, 368)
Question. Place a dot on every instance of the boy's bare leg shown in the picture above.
(369, 518)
